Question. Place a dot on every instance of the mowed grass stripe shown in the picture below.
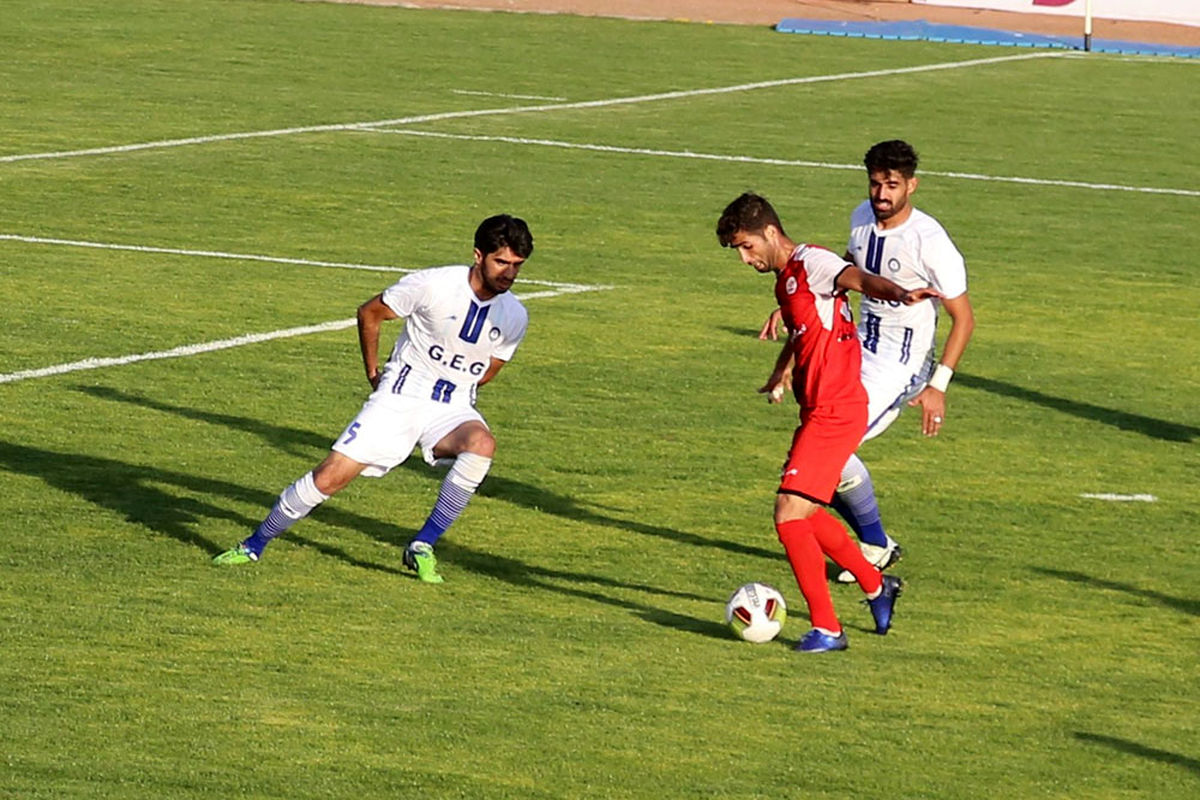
(485, 112)
(176, 251)
(784, 162)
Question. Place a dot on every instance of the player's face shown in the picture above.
(756, 249)
(497, 270)
(889, 193)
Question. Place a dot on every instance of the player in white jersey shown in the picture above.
(892, 238)
(461, 327)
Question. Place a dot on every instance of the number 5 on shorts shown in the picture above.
(351, 433)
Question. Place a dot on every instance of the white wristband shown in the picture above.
(941, 377)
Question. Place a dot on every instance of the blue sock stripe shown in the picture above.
(290, 508)
(276, 523)
(859, 507)
(452, 499)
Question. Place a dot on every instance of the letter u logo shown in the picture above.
(473, 324)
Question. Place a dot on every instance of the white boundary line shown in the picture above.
(1122, 498)
(603, 148)
(175, 352)
(615, 101)
(562, 288)
(553, 289)
(237, 341)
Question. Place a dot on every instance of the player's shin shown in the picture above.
(804, 555)
(837, 544)
(855, 502)
(458, 487)
(294, 504)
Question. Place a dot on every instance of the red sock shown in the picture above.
(837, 544)
(804, 554)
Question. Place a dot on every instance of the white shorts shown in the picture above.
(889, 386)
(383, 435)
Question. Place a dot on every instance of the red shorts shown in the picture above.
(825, 440)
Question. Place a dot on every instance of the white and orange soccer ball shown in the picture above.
(756, 612)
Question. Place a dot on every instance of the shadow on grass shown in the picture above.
(535, 498)
(1125, 420)
(1141, 750)
(751, 332)
(538, 499)
(1184, 604)
(1148, 426)
(573, 584)
(289, 440)
(130, 490)
(138, 493)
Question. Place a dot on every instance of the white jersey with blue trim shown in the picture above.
(450, 336)
(914, 254)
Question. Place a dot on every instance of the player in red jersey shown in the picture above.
(823, 352)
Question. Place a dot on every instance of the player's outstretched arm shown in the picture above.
(492, 369)
(881, 288)
(932, 398)
(962, 325)
(370, 315)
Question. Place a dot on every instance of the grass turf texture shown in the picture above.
(1046, 646)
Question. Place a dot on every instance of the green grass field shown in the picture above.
(1047, 644)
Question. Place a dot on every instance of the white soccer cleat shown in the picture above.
(881, 557)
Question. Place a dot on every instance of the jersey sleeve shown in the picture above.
(945, 264)
(823, 268)
(512, 338)
(405, 295)
(860, 217)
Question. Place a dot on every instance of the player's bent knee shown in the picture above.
(481, 442)
(335, 473)
(790, 506)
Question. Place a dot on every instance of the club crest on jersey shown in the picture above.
(791, 285)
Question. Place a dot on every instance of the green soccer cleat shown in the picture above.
(419, 557)
(238, 555)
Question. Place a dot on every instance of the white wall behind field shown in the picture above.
(1178, 12)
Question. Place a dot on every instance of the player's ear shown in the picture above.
(912, 184)
(478, 257)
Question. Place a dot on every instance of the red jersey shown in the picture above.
(821, 330)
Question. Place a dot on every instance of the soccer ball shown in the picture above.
(756, 612)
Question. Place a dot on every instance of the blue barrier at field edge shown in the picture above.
(920, 30)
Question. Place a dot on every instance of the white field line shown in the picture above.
(604, 148)
(562, 288)
(502, 94)
(1122, 498)
(175, 352)
(484, 112)
(237, 341)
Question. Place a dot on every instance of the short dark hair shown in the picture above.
(749, 213)
(502, 231)
(894, 154)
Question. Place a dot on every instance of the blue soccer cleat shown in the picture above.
(818, 641)
(883, 605)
